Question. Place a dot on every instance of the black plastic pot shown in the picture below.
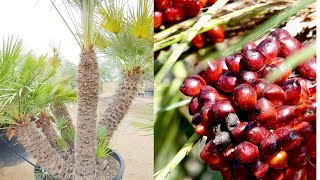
(121, 163)
(11, 152)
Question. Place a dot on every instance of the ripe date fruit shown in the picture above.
(289, 45)
(280, 34)
(158, 19)
(264, 112)
(216, 34)
(238, 132)
(288, 138)
(233, 62)
(270, 144)
(259, 169)
(296, 173)
(248, 77)
(192, 7)
(285, 115)
(270, 48)
(212, 72)
(253, 60)
(278, 160)
(274, 94)
(221, 110)
(255, 133)
(192, 85)
(305, 129)
(174, 14)
(194, 106)
(162, 4)
(198, 41)
(248, 46)
(305, 112)
(308, 68)
(246, 152)
(292, 90)
(298, 157)
(259, 85)
(227, 82)
(244, 96)
(208, 95)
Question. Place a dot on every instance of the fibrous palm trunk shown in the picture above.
(47, 128)
(39, 148)
(86, 130)
(121, 101)
(60, 111)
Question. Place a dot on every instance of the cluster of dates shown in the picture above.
(169, 12)
(257, 129)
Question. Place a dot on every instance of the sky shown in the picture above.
(38, 24)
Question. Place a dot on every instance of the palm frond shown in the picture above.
(103, 146)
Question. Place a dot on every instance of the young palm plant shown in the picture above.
(28, 86)
(130, 47)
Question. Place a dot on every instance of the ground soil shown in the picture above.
(135, 147)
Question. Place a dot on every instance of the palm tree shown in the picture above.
(27, 87)
(131, 49)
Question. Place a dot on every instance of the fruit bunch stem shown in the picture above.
(163, 173)
(187, 38)
(163, 40)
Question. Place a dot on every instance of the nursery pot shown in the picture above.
(11, 151)
(117, 156)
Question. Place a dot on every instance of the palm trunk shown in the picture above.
(60, 111)
(86, 128)
(48, 130)
(39, 148)
(121, 101)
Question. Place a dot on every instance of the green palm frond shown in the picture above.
(112, 15)
(29, 85)
(103, 146)
(140, 20)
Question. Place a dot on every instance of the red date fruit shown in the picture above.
(238, 132)
(221, 110)
(196, 119)
(255, 133)
(234, 63)
(288, 138)
(259, 169)
(212, 72)
(246, 152)
(298, 157)
(216, 34)
(305, 112)
(280, 34)
(192, 8)
(274, 94)
(192, 85)
(194, 106)
(259, 85)
(299, 173)
(208, 95)
(278, 160)
(285, 115)
(289, 45)
(227, 82)
(229, 153)
(292, 90)
(270, 144)
(248, 77)
(308, 68)
(162, 4)
(198, 41)
(158, 19)
(253, 59)
(174, 14)
(270, 48)
(245, 96)
(248, 46)
(305, 129)
(264, 112)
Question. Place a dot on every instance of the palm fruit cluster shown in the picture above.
(257, 129)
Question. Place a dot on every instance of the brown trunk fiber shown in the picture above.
(48, 130)
(39, 148)
(86, 128)
(61, 111)
(121, 101)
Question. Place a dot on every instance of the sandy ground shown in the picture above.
(136, 147)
